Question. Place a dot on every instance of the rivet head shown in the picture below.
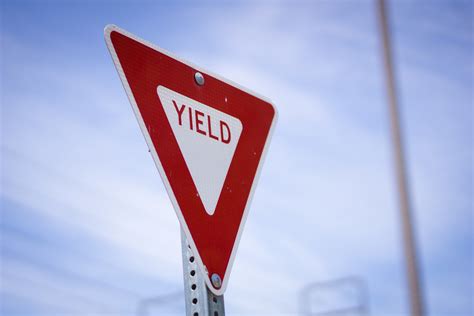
(216, 281)
(199, 78)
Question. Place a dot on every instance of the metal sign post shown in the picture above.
(199, 300)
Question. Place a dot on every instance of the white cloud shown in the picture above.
(325, 204)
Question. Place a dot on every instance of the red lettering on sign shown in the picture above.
(180, 112)
(225, 140)
(209, 125)
(199, 122)
(190, 118)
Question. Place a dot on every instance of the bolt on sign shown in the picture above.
(207, 136)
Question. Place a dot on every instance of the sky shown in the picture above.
(88, 229)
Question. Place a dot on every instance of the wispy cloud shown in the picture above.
(86, 223)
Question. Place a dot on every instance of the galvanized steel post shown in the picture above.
(199, 300)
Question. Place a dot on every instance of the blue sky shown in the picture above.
(87, 227)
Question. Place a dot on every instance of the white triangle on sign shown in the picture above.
(207, 138)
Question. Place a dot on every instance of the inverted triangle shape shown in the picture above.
(207, 139)
(143, 69)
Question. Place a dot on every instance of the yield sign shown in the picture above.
(207, 136)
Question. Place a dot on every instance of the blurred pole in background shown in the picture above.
(415, 291)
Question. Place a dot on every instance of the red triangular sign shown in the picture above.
(207, 138)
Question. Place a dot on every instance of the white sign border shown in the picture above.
(107, 31)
